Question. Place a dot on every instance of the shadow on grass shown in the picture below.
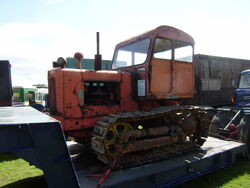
(220, 177)
(7, 157)
(37, 182)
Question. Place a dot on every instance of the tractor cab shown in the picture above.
(161, 61)
(241, 96)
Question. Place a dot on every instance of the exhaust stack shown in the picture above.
(98, 57)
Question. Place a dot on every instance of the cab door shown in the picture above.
(161, 68)
(172, 72)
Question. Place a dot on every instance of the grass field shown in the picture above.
(235, 176)
(17, 173)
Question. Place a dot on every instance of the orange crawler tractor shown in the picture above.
(136, 112)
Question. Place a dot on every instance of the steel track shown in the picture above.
(126, 160)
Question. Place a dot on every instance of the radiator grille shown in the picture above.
(246, 97)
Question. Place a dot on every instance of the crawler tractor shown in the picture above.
(139, 111)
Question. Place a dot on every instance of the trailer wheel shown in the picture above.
(244, 133)
(220, 120)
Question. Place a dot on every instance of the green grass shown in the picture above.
(234, 176)
(17, 173)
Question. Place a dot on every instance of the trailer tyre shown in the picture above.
(220, 120)
(244, 133)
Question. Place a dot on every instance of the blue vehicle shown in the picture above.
(234, 121)
(241, 96)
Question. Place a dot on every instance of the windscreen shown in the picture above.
(244, 81)
(131, 54)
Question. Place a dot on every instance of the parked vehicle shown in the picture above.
(241, 96)
(27, 96)
(23, 96)
(234, 121)
(140, 99)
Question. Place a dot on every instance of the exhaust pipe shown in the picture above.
(98, 57)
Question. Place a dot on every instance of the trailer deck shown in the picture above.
(39, 139)
(214, 154)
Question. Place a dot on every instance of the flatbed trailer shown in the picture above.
(214, 154)
(39, 139)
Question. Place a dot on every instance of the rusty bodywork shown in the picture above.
(78, 105)
(120, 111)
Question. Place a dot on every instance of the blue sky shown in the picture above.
(33, 33)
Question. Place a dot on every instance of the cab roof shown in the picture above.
(245, 71)
(162, 32)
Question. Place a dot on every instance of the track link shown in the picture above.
(186, 128)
